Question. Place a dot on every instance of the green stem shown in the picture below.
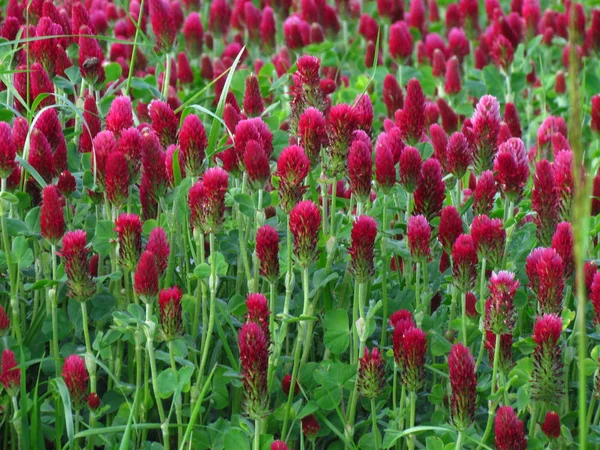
(271, 369)
(167, 78)
(491, 403)
(333, 206)
(213, 281)
(418, 294)
(374, 424)
(178, 399)
(384, 271)
(533, 421)
(257, 426)
(200, 288)
(459, 440)
(55, 348)
(134, 51)
(463, 300)
(413, 410)
(138, 371)
(91, 366)
(395, 390)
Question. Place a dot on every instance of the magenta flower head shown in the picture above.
(360, 170)
(439, 141)
(364, 232)
(511, 169)
(10, 377)
(412, 118)
(450, 228)
(371, 374)
(305, 221)
(76, 378)
(267, 251)
(401, 318)
(500, 312)
(129, 232)
(459, 155)
(545, 201)
(120, 115)
(194, 33)
(145, 281)
(511, 117)
(594, 294)
(595, 113)
(207, 200)
(502, 52)
(563, 177)
(431, 190)
(310, 426)
(163, 25)
(410, 168)
(463, 381)
(400, 41)
(164, 121)
(257, 167)
(4, 322)
(488, 236)
(258, 313)
(66, 183)
(562, 242)
(40, 155)
(91, 57)
(268, 28)
(254, 359)
(341, 124)
(453, 83)
(279, 445)
(292, 168)
(385, 169)
(486, 126)
(312, 133)
(158, 244)
(52, 219)
(392, 95)
(8, 152)
(551, 425)
(485, 191)
(545, 270)
(192, 144)
(252, 130)
(464, 268)
(419, 234)
(412, 357)
(116, 179)
(169, 313)
(546, 378)
(75, 257)
(509, 432)
(253, 102)
(93, 401)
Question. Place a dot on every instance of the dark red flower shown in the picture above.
(410, 168)
(449, 117)
(279, 445)
(412, 117)
(117, 179)
(129, 232)
(551, 425)
(545, 201)
(488, 236)
(93, 401)
(253, 102)
(464, 268)
(502, 52)
(453, 83)
(258, 312)
(52, 219)
(511, 117)
(292, 168)
(163, 25)
(594, 293)
(545, 270)
(364, 232)
(431, 189)
(463, 381)
(511, 168)
(10, 377)
(154, 174)
(75, 256)
(286, 384)
(412, 357)
(164, 121)
(207, 200)
(484, 194)
(192, 143)
(4, 322)
(91, 57)
(418, 234)
(267, 251)
(170, 313)
(371, 374)
(252, 130)
(158, 244)
(398, 318)
(459, 154)
(8, 151)
(450, 228)
(254, 359)
(509, 432)
(400, 41)
(385, 169)
(305, 222)
(40, 155)
(562, 242)
(505, 357)
(120, 115)
(500, 314)
(146, 278)
(485, 126)
(76, 378)
(360, 169)
(66, 183)
(310, 426)
(341, 123)
(268, 28)
(546, 379)
(312, 133)
(392, 95)
(194, 33)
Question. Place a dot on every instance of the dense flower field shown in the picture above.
(287, 225)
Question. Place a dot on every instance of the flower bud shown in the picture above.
(170, 313)
(463, 382)
(371, 374)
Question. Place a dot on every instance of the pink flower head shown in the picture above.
(509, 432)
(218, 19)
(484, 194)
(163, 25)
(392, 95)
(488, 236)
(453, 83)
(360, 169)
(194, 33)
(363, 111)
(253, 102)
(312, 133)
(117, 179)
(153, 164)
(398, 318)
(76, 378)
(252, 130)
(258, 312)
(164, 121)
(257, 165)
(267, 251)
(511, 168)
(364, 232)
(40, 155)
(120, 115)
(412, 117)
(545, 201)
(551, 425)
(146, 278)
(207, 200)
(419, 234)
(158, 244)
(531, 12)
(450, 228)
(562, 242)
(485, 125)
(91, 57)
(305, 221)
(400, 41)
(595, 113)
(10, 377)
(254, 362)
(129, 232)
(502, 52)
(52, 219)
(545, 270)
(459, 155)
(431, 189)
(341, 123)
(170, 313)
(511, 117)
(412, 357)
(385, 169)
(268, 28)
(8, 151)
(595, 295)
(279, 445)
(563, 177)
(499, 309)
(371, 374)
(463, 381)
(464, 257)
(192, 143)
(75, 257)
(410, 168)
(292, 168)
(546, 378)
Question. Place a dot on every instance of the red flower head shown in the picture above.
(8, 152)
(76, 378)
(509, 430)
(218, 19)
(49, 124)
(551, 425)
(400, 41)
(52, 219)
(410, 168)
(310, 426)
(418, 234)
(286, 384)
(450, 228)
(252, 130)
(489, 236)
(93, 401)
(463, 381)
(364, 232)
(398, 319)
(385, 169)
(412, 357)
(129, 231)
(594, 293)
(207, 200)
(511, 117)
(453, 83)
(392, 95)
(258, 313)
(39, 83)
(511, 168)
(184, 70)
(563, 177)
(485, 191)
(170, 314)
(66, 183)
(292, 168)
(502, 52)
(194, 33)
(253, 102)
(562, 242)
(254, 359)
(267, 251)
(431, 190)
(439, 141)
(91, 57)
(146, 278)
(164, 121)
(412, 118)
(371, 374)
(4, 322)
(120, 115)
(530, 10)
(19, 133)
(499, 309)
(449, 117)
(312, 133)
(10, 377)
(485, 126)
(595, 122)
(545, 201)
(117, 179)
(546, 378)
(363, 111)
(459, 155)
(545, 271)
(40, 155)
(163, 25)
(75, 256)
(268, 28)
(192, 143)
(305, 221)
(360, 169)
(158, 244)
(341, 123)
(153, 164)
(257, 165)
(464, 257)
(279, 445)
